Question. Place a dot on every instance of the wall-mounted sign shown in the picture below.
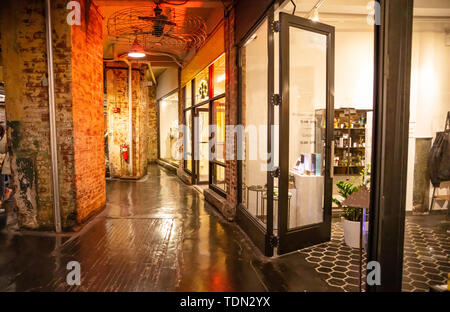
(203, 89)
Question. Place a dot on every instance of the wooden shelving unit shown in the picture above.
(349, 141)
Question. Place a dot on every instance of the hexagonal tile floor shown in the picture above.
(338, 263)
(426, 257)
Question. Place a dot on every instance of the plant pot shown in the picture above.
(351, 232)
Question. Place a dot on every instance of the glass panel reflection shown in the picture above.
(254, 60)
(307, 124)
(202, 141)
(187, 140)
(218, 176)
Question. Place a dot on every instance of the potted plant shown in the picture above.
(351, 216)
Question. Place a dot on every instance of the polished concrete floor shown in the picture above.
(156, 234)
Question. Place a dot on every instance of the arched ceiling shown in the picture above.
(194, 20)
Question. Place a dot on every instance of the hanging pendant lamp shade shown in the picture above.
(136, 51)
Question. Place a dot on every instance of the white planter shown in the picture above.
(351, 232)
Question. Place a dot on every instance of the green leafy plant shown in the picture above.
(345, 189)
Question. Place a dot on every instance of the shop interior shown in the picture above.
(353, 99)
(427, 226)
(352, 130)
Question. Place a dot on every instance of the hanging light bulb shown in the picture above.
(136, 51)
(315, 16)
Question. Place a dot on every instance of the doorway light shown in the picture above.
(136, 51)
(315, 16)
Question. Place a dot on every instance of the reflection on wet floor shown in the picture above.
(156, 234)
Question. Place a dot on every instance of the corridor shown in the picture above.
(156, 234)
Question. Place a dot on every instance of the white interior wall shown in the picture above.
(168, 126)
(167, 82)
(430, 95)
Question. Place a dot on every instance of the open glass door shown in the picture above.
(306, 134)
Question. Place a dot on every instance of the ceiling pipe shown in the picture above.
(148, 63)
(315, 7)
(130, 114)
(52, 118)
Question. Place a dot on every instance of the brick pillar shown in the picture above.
(153, 126)
(87, 114)
(232, 108)
(78, 98)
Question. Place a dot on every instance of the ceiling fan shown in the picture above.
(159, 21)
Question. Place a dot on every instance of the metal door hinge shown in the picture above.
(276, 99)
(275, 172)
(274, 241)
(276, 26)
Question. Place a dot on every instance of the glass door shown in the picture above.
(306, 115)
(201, 141)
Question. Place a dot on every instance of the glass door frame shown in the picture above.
(261, 236)
(196, 109)
(194, 106)
(185, 110)
(298, 238)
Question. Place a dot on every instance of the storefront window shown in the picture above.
(188, 95)
(201, 142)
(218, 148)
(209, 126)
(254, 61)
(218, 177)
(188, 140)
(218, 78)
(202, 86)
(168, 128)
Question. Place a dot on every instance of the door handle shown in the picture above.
(332, 160)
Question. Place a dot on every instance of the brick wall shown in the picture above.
(78, 93)
(152, 126)
(25, 68)
(87, 110)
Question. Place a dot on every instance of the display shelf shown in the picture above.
(350, 131)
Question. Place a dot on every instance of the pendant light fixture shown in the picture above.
(136, 51)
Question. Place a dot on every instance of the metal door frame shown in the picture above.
(298, 238)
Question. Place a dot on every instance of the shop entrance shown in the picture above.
(201, 144)
(306, 132)
(286, 197)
